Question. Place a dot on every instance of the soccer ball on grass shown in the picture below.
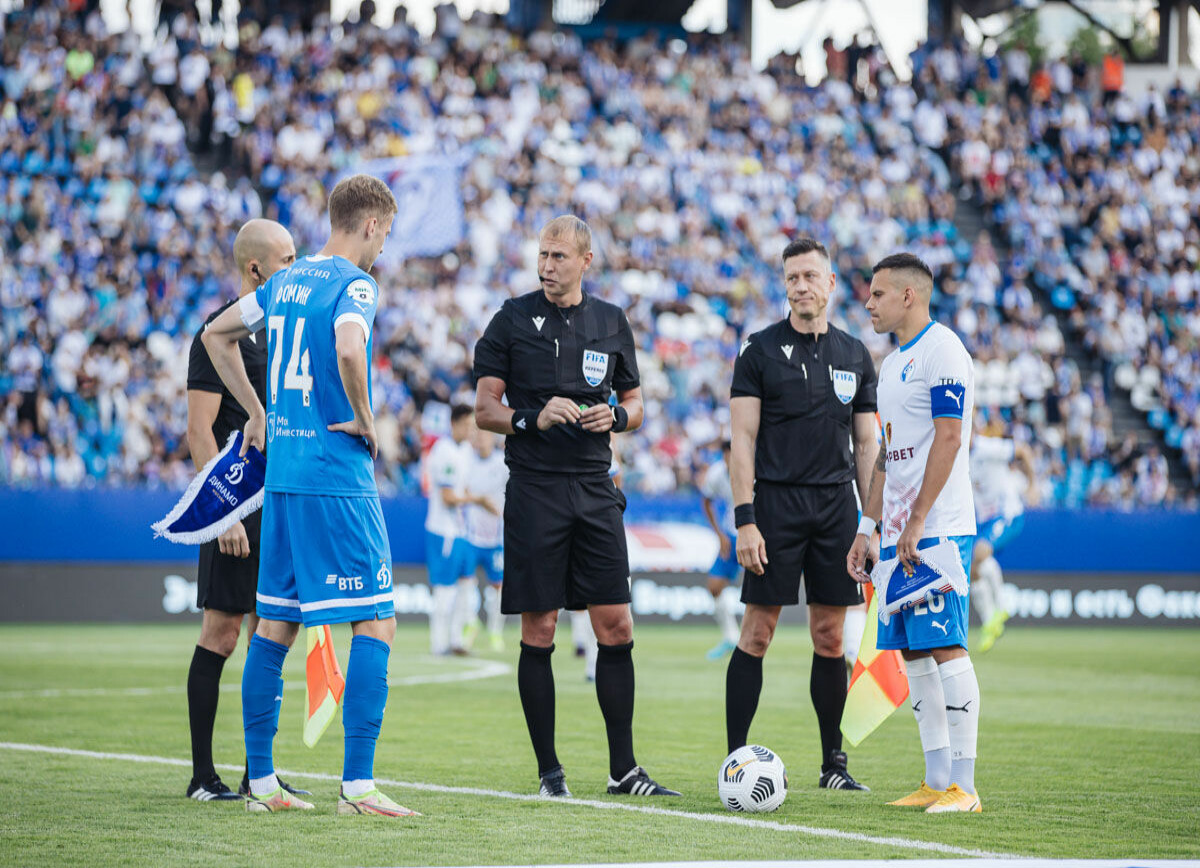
(752, 779)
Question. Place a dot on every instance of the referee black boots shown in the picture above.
(638, 783)
(835, 777)
(554, 784)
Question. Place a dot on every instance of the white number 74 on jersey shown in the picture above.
(296, 375)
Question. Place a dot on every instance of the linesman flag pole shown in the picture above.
(323, 686)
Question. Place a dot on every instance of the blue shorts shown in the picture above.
(939, 623)
(490, 558)
(1000, 531)
(324, 560)
(446, 558)
(727, 568)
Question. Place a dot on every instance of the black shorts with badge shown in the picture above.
(807, 529)
(564, 543)
(227, 583)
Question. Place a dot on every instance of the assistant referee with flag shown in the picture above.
(558, 354)
(803, 391)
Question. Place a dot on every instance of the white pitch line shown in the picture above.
(484, 669)
(725, 819)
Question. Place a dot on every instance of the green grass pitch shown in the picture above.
(1088, 749)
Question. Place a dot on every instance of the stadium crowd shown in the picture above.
(693, 170)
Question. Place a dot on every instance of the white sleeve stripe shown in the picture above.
(350, 316)
(252, 312)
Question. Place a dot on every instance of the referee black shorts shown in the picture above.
(227, 583)
(564, 543)
(808, 529)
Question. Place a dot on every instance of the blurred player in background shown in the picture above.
(487, 476)
(325, 558)
(921, 488)
(1000, 495)
(717, 501)
(446, 548)
(228, 572)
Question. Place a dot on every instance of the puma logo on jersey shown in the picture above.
(787, 350)
(538, 320)
(957, 398)
(941, 627)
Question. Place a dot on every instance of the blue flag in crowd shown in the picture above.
(224, 492)
(427, 190)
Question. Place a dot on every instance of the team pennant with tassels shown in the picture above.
(324, 684)
(227, 489)
(878, 684)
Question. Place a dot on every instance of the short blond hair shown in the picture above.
(571, 228)
(357, 198)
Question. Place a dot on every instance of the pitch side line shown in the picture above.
(483, 669)
(726, 819)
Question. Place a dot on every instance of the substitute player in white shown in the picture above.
(446, 548)
(921, 487)
(487, 475)
(1000, 493)
(716, 496)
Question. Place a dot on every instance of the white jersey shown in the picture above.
(486, 476)
(997, 486)
(446, 465)
(928, 378)
(716, 487)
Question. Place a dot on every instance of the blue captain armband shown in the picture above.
(946, 400)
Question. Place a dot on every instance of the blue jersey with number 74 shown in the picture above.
(300, 308)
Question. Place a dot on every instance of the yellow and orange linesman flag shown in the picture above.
(324, 684)
(878, 684)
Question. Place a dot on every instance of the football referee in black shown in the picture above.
(558, 354)
(802, 392)
(227, 577)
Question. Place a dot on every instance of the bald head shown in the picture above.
(261, 248)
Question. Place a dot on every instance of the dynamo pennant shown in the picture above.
(878, 684)
(899, 587)
(225, 491)
(323, 685)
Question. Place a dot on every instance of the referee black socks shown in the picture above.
(614, 690)
(827, 686)
(743, 684)
(203, 688)
(535, 683)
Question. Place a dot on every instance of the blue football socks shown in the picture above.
(362, 706)
(262, 693)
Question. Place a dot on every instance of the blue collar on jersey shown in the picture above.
(908, 346)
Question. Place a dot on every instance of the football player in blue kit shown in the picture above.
(325, 555)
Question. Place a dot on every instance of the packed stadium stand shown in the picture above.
(1060, 220)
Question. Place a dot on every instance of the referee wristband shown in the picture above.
(743, 514)
(866, 526)
(524, 421)
(620, 418)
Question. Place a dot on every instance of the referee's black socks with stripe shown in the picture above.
(743, 684)
(535, 683)
(614, 690)
(203, 688)
(827, 686)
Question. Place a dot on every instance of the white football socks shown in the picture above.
(491, 603)
(439, 619)
(264, 786)
(961, 689)
(929, 708)
(986, 591)
(465, 604)
(357, 789)
(853, 628)
(726, 620)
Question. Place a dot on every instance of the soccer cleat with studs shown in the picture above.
(638, 783)
(373, 802)
(211, 790)
(956, 800)
(275, 801)
(835, 777)
(922, 797)
(554, 784)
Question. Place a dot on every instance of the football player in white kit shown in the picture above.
(487, 475)
(1000, 493)
(717, 499)
(446, 547)
(920, 497)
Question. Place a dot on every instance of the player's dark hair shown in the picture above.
(804, 244)
(357, 198)
(458, 411)
(903, 262)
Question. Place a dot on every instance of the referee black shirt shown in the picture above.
(541, 350)
(203, 377)
(810, 387)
